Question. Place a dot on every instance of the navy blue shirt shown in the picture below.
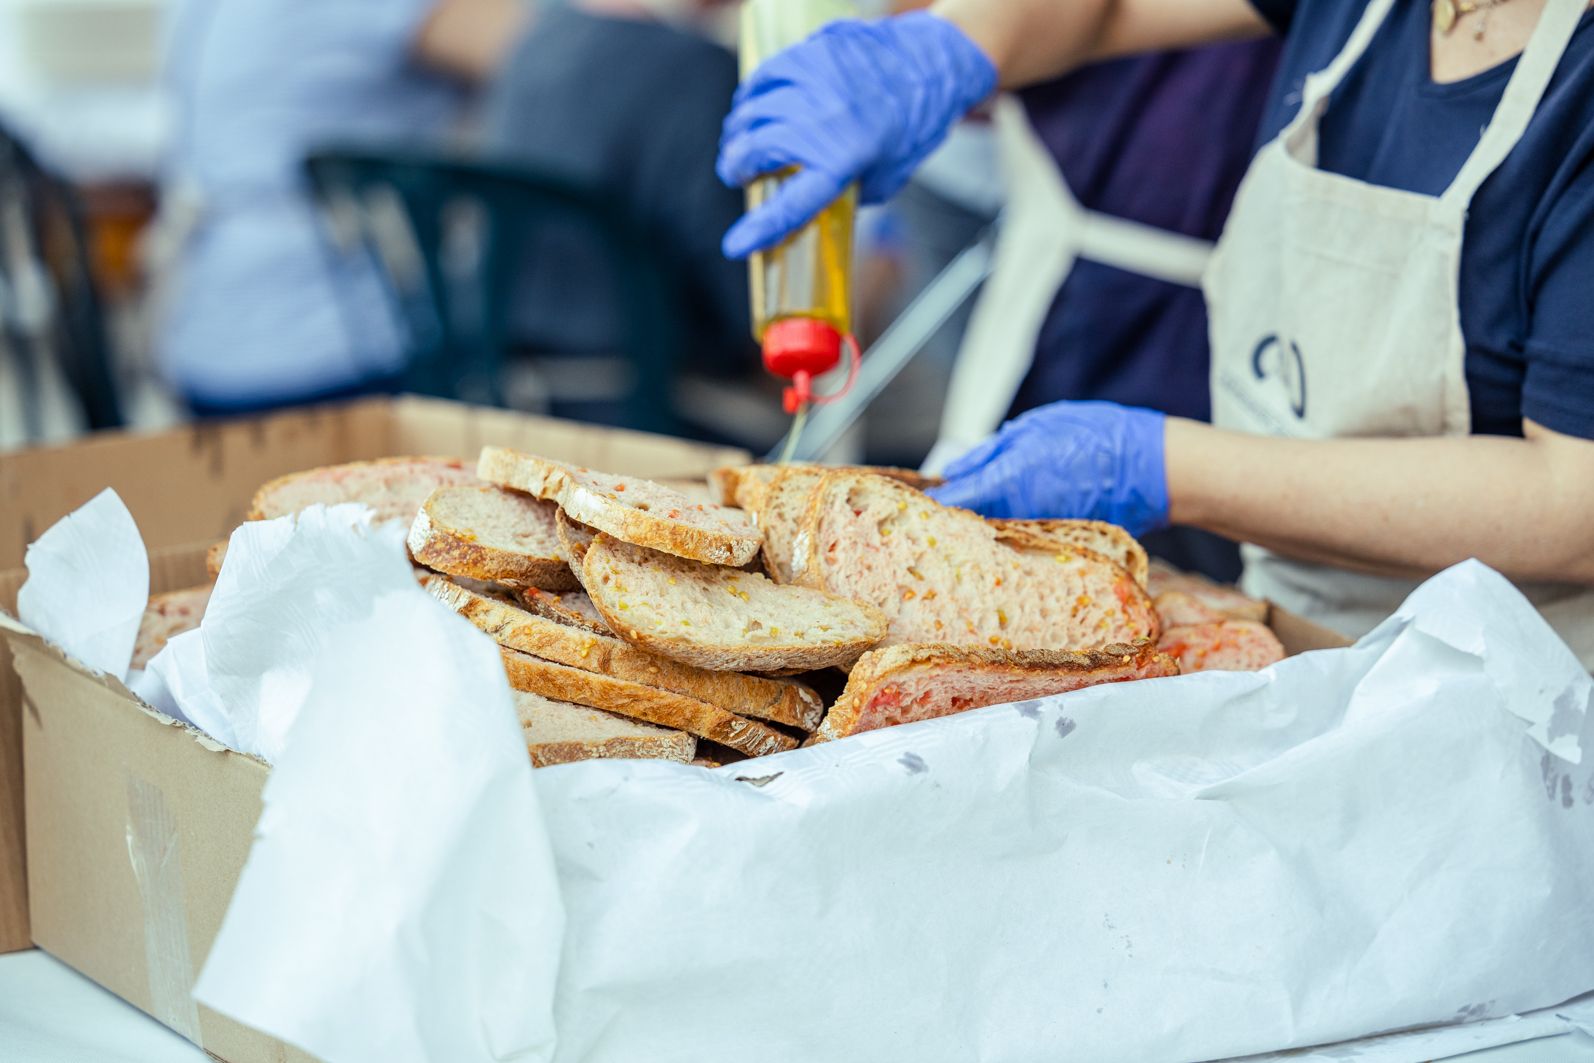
(1163, 140)
(1527, 270)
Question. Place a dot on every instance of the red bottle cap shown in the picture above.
(796, 345)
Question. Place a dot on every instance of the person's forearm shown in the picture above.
(469, 38)
(1395, 506)
(1035, 40)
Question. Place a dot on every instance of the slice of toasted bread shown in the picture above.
(215, 557)
(782, 505)
(394, 488)
(571, 608)
(1222, 646)
(1182, 609)
(1228, 602)
(1108, 540)
(743, 486)
(630, 509)
(721, 618)
(944, 575)
(640, 702)
(906, 684)
(765, 699)
(693, 490)
(168, 615)
(558, 732)
(487, 533)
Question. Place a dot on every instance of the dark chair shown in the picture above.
(447, 234)
(50, 310)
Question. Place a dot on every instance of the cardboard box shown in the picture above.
(138, 827)
(190, 487)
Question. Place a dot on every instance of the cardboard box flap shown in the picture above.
(194, 484)
(135, 843)
(16, 633)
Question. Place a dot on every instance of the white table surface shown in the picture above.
(51, 1014)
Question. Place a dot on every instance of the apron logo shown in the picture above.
(1291, 368)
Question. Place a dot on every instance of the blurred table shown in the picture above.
(51, 1014)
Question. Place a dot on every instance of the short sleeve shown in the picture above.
(1278, 13)
(1558, 384)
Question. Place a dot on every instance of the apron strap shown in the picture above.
(1144, 249)
(1300, 137)
(1521, 100)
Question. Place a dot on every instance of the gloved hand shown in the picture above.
(1089, 460)
(857, 101)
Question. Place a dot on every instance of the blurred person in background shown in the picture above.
(258, 312)
(626, 97)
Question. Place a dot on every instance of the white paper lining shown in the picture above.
(1394, 835)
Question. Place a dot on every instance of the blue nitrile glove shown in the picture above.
(857, 101)
(1090, 460)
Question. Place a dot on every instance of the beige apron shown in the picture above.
(1333, 307)
(1044, 231)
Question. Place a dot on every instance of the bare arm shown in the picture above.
(469, 38)
(1394, 506)
(1033, 40)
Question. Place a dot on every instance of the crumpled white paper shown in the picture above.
(404, 753)
(1353, 841)
(1573, 1019)
(88, 584)
(405, 756)
(287, 585)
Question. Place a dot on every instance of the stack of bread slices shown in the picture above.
(649, 620)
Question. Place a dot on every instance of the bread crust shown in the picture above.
(810, 655)
(679, 747)
(575, 537)
(543, 604)
(745, 486)
(440, 546)
(877, 670)
(766, 699)
(1108, 540)
(645, 703)
(607, 512)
